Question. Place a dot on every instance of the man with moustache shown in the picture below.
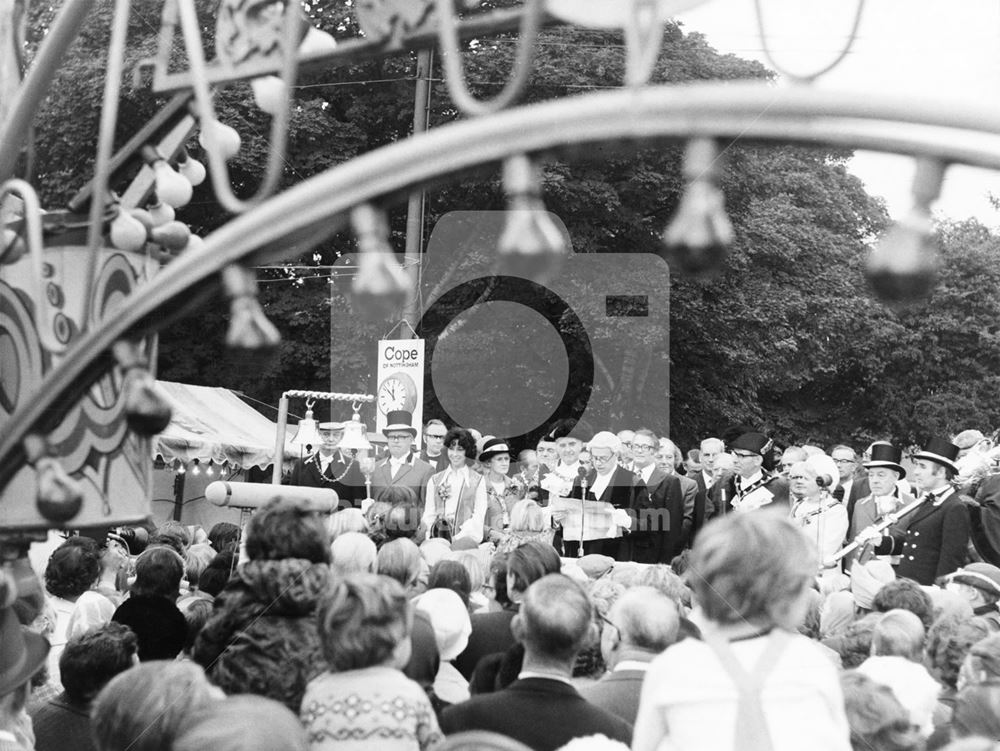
(884, 474)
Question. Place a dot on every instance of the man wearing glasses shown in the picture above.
(850, 487)
(752, 486)
(433, 451)
(610, 483)
(401, 468)
(660, 533)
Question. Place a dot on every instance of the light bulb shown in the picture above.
(195, 469)
(147, 412)
(698, 237)
(192, 170)
(208, 470)
(127, 232)
(144, 217)
(171, 188)
(194, 243)
(161, 213)
(59, 496)
(381, 285)
(181, 467)
(531, 245)
(219, 139)
(269, 93)
(12, 246)
(172, 235)
(316, 43)
(903, 269)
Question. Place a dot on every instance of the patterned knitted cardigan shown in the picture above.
(262, 637)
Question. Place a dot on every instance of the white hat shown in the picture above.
(449, 618)
(605, 440)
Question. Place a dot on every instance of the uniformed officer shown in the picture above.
(932, 540)
(752, 486)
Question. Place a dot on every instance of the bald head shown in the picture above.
(646, 621)
(556, 619)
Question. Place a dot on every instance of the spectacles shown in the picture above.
(399, 437)
(641, 446)
(844, 461)
(602, 459)
(797, 477)
(435, 436)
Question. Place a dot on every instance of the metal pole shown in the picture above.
(279, 440)
(415, 205)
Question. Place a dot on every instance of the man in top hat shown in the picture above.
(931, 541)
(886, 497)
(752, 486)
(330, 467)
(401, 467)
(979, 583)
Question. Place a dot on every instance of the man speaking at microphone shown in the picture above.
(609, 483)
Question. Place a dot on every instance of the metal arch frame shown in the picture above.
(291, 222)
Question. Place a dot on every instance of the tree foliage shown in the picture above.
(787, 338)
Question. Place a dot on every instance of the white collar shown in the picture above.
(399, 462)
(745, 482)
(548, 676)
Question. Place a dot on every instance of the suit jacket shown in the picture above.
(490, 634)
(414, 475)
(350, 488)
(659, 531)
(542, 713)
(702, 507)
(931, 541)
(987, 529)
(859, 489)
(624, 491)
(865, 514)
(439, 462)
(618, 693)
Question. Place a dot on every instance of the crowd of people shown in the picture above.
(734, 597)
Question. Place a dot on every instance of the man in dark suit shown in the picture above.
(752, 486)
(434, 452)
(931, 541)
(641, 624)
(329, 467)
(852, 485)
(401, 468)
(541, 708)
(611, 483)
(662, 525)
(711, 449)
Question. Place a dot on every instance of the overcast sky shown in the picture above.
(926, 47)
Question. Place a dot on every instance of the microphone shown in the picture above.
(824, 481)
(581, 472)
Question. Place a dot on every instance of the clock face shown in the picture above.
(397, 392)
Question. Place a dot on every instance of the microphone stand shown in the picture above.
(583, 508)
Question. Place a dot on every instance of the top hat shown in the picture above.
(755, 443)
(886, 455)
(493, 447)
(982, 576)
(940, 451)
(399, 419)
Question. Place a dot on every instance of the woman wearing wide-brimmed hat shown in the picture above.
(501, 491)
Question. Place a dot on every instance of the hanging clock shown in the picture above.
(397, 391)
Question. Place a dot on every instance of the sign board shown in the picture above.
(400, 381)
